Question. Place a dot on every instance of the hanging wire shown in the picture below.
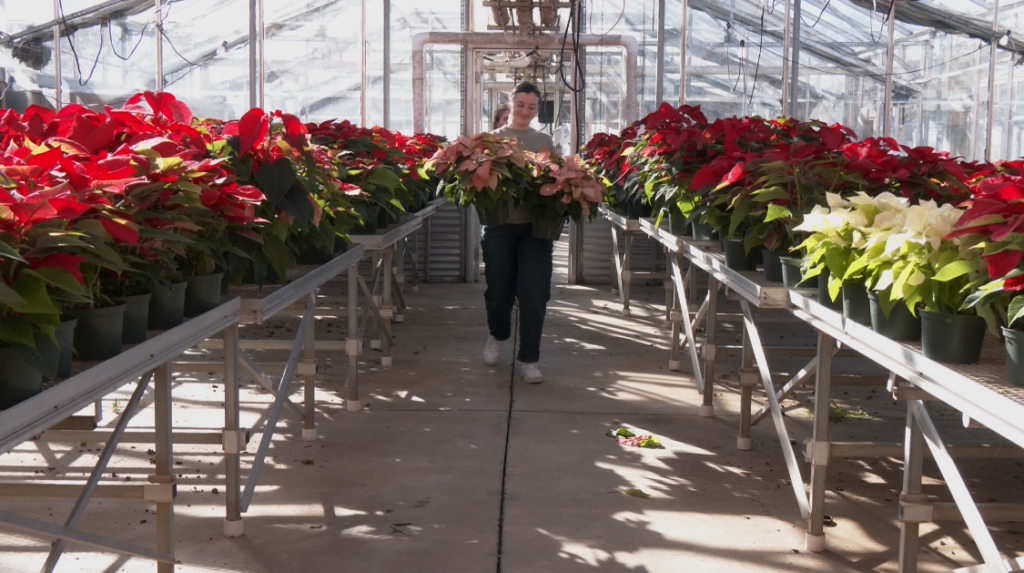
(69, 33)
(110, 35)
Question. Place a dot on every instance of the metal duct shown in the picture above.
(502, 15)
(524, 17)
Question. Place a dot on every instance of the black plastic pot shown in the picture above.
(383, 219)
(855, 303)
(1014, 340)
(65, 335)
(772, 264)
(952, 338)
(823, 295)
(99, 332)
(19, 380)
(497, 215)
(202, 293)
(737, 258)
(547, 229)
(900, 325)
(167, 307)
(678, 224)
(136, 317)
(369, 225)
(792, 277)
(703, 232)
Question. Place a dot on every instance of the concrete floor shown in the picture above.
(455, 467)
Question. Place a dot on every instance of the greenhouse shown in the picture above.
(514, 285)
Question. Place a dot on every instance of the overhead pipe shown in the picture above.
(548, 13)
(502, 15)
(499, 41)
(524, 17)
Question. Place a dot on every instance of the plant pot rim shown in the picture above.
(140, 296)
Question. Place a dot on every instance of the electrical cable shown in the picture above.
(508, 436)
(617, 20)
(69, 33)
(110, 35)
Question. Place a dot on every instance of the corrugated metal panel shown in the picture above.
(647, 255)
(443, 232)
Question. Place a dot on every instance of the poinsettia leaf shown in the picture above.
(8, 252)
(63, 279)
(16, 331)
(383, 177)
(252, 128)
(1015, 310)
(766, 194)
(275, 179)
(32, 288)
(277, 254)
(10, 297)
(955, 269)
(777, 212)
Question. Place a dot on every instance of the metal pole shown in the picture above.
(163, 421)
(992, 81)
(253, 100)
(160, 47)
(913, 463)
(786, 44)
(659, 85)
(794, 89)
(59, 81)
(262, 71)
(890, 54)
(682, 53)
(815, 538)
(362, 63)
(387, 64)
(352, 342)
(232, 466)
(1007, 126)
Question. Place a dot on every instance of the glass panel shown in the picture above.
(942, 97)
(206, 55)
(1008, 119)
(842, 50)
(27, 68)
(733, 63)
(312, 58)
(105, 62)
(443, 80)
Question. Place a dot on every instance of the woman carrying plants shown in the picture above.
(518, 264)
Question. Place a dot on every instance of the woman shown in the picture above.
(518, 264)
(500, 117)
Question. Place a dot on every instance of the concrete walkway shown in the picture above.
(455, 467)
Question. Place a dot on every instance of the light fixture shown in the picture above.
(1005, 39)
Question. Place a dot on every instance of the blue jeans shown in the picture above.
(518, 265)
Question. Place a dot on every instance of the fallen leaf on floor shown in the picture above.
(644, 441)
(634, 492)
(620, 433)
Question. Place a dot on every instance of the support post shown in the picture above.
(682, 53)
(707, 408)
(815, 540)
(387, 307)
(992, 58)
(159, 49)
(786, 44)
(913, 461)
(164, 461)
(253, 31)
(387, 65)
(232, 454)
(309, 387)
(352, 343)
(889, 56)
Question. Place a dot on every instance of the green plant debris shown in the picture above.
(621, 433)
(837, 413)
(636, 492)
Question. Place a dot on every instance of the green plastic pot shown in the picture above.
(65, 335)
(497, 215)
(792, 277)
(136, 317)
(202, 293)
(547, 229)
(952, 338)
(900, 325)
(19, 380)
(855, 303)
(1014, 340)
(737, 258)
(369, 226)
(772, 264)
(99, 332)
(167, 307)
(823, 295)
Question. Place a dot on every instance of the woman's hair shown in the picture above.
(527, 88)
(502, 110)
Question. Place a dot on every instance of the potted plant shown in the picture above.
(484, 171)
(563, 187)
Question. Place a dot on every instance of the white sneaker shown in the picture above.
(530, 372)
(491, 350)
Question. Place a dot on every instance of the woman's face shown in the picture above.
(524, 110)
(502, 119)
